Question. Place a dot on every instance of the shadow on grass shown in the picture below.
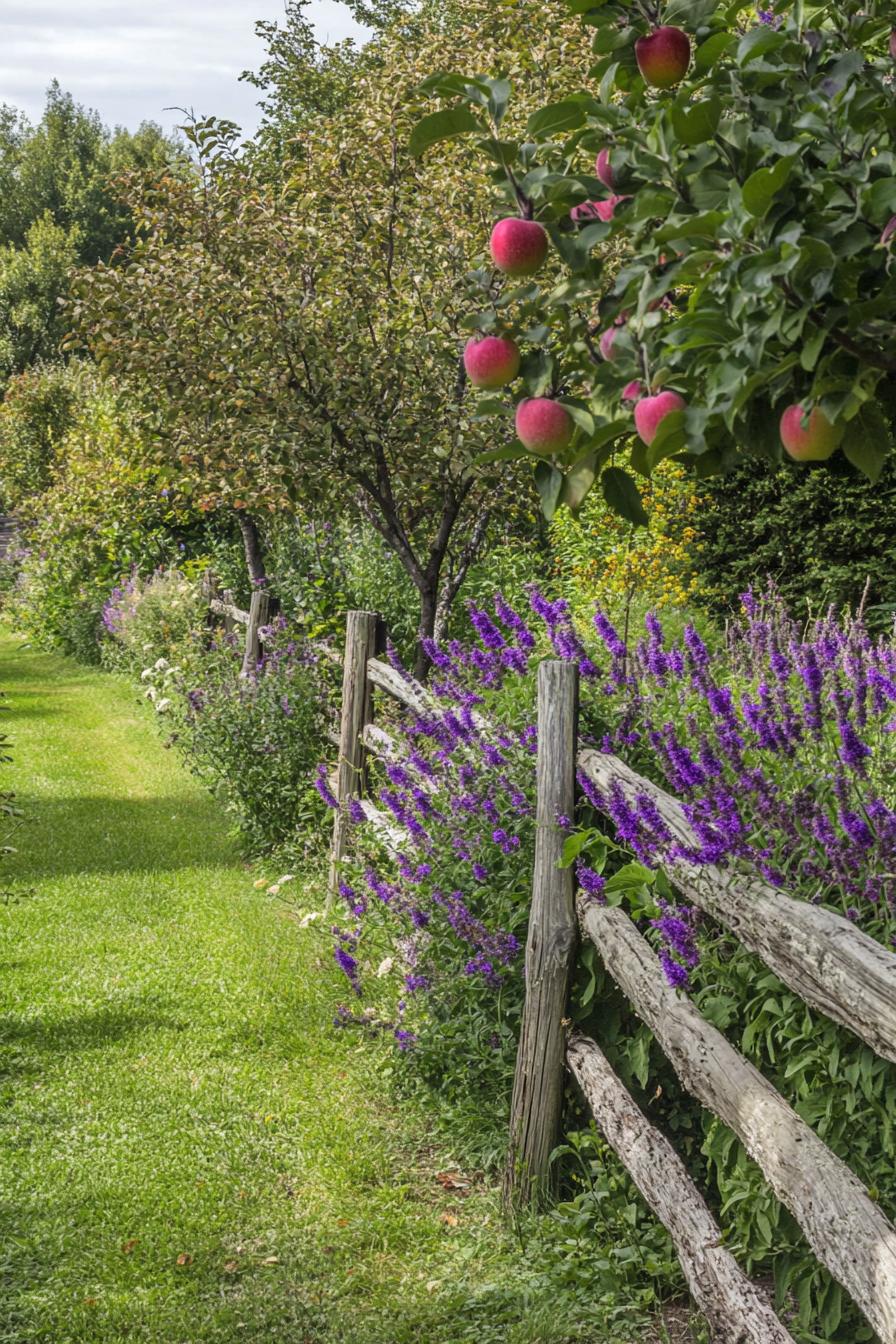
(95, 1029)
(76, 835)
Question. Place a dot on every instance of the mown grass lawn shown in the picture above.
(189, 1151)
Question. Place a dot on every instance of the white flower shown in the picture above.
(151, 692)
(287, 877)
(146, 674)
(309, 918)
(163, 705)
(385, 967)
(161, 664)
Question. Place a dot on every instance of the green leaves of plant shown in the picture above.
(444, 125)
(567, 115)
(761, 187)
(623, 495)
(697, 123)
(867, 442)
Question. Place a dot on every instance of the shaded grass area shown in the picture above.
(189, 1151)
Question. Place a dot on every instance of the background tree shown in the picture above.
(297, 336)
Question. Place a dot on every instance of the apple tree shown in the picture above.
(696, 258)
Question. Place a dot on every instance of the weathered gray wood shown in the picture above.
(845, 1228)
(357, 711)
(550, 947)
(407, 692)
(259, 614)
(225, 607)
(736, 1310)
(832, 965)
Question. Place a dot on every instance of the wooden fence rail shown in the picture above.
(830, 964)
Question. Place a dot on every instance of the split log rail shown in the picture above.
(823, 958)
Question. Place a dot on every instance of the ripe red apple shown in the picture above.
(633, 391)
(603, 169)
(543, 426)
(605, 344)
(663, 57)
(491, 361)
(809, 437)
(518, 246)
(650, 412)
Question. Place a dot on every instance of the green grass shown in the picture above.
(189, 1151)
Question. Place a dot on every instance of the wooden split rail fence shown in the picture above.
(835, 968)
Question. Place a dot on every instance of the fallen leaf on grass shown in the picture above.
(231, 1266)
(450, 1181)
(449, 1219)
(128, 1246)
(185, 1258)
(271, 1260)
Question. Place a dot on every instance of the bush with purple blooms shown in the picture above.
(778, 740)
(253, 741)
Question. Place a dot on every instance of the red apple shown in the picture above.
(543, 426)
(602, 210)
(663, 57)
(518, 246)
(605, 344)
(491, 361)
(603, 169)
(633, 391)
(650, 412)
(809, 436)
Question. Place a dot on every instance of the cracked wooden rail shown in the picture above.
(848, 1232)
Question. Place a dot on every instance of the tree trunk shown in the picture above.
(252, 548)
(428, 591)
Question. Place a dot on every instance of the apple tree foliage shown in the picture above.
(750, 263)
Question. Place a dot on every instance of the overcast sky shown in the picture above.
(132, 59)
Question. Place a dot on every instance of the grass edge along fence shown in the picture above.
(831, 965)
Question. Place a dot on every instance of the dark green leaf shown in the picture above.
(548, 483)
(567, 115)
(623, 495)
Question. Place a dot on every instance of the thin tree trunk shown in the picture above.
(252, 548)
(426, 625)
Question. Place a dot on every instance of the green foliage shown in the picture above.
(32, 278)
(822, 534)
(254, 742)
(35, 415)
(747, 261)
(150, 618)
(102, 516)
(65, 168)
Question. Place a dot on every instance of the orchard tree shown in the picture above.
(296, 336)
(696, 257)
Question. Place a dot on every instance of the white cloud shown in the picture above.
(132, 61)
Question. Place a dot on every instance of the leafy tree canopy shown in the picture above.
(734, 244)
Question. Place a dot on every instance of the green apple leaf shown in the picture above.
(444, 125)
(623, 496)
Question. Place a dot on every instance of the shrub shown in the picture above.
(600, 552)
(146, 618)
(35, 414)
(821, 534)
(104, 514)
(252, 741)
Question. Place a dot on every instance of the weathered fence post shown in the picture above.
(550, 947)
(259, 613)
(229, 622)
(361, 635)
